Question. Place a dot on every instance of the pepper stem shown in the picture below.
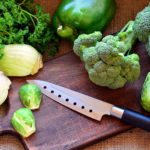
(65, 31)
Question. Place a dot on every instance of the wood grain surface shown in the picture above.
(59, 128)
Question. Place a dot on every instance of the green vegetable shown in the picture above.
(145, 95)
(23, 122)
(30, 96)
(141, 27)
(108, 62)
(74, 17)
(20, 60)
(22, 22)
(4, 87)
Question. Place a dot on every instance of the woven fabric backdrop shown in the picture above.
(131, 140)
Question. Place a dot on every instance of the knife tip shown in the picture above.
(30, 81)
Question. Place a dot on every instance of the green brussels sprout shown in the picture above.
(30, 96)
(145, 96)
(23, 122)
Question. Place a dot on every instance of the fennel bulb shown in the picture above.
(4, 87)
(20, 60)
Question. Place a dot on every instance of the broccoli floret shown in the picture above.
(141, 27)
(110, 39)
(119, 82)
(90, 55)
(130, 68)
(113, 48)
(108, 62)
(84, 41)
(103, 74)
(109, 54)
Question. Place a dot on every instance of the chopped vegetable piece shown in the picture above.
(20, 60)
(108, 62)
(141, 27)
(145, 96)
(23, 122)
(4, 87)
(30, 96)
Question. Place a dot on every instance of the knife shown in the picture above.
(89, 106)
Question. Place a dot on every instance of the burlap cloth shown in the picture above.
(135, 139)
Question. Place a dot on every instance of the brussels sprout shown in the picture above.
(30, 96)
(23, 122)
(145, 96)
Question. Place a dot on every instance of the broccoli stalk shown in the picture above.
(141, 27)
(108, 62)
(127, 36)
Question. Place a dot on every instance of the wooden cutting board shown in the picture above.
(59, 128)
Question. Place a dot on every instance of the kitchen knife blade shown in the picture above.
(81, 103)
(89, 106)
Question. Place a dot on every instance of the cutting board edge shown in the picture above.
(99, 139)
(81, 146)
(14, 134)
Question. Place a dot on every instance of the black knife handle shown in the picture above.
(136, 119)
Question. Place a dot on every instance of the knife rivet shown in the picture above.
(59, 95)
(45, 87)
(82, 107)
(74, 103)
(52, 91)
(90, 110)
(67, 99)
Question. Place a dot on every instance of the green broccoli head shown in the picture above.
(112, 48)
(110, 39)
(141, 27)
(90, 55)
(109, 52)
(103, 74)
(84, 41)
(119, 82)
(131, 68)
(106, 61)
(106, 75)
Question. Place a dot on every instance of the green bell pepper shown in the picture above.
(74, 17)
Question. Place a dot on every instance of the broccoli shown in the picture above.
(86, 41)
(108, 62)
(141, 27)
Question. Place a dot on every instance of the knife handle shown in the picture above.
(136, 119)
(131, 117)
